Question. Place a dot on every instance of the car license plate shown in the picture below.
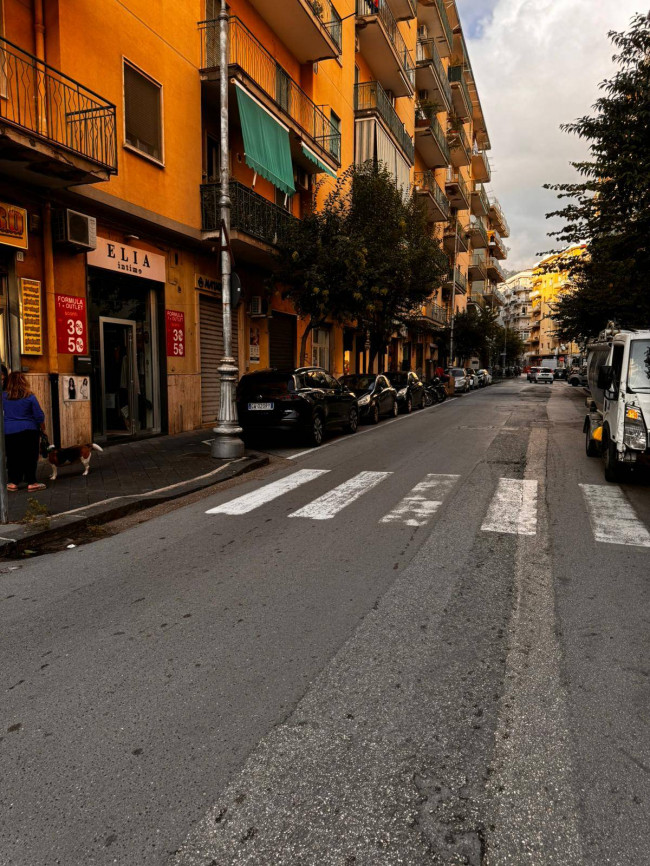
(260, 407)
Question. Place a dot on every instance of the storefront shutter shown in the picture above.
(282, 341)
(211, 346)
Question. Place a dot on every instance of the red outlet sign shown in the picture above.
(71, 331)
(175, 333)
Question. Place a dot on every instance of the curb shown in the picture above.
(16, 541)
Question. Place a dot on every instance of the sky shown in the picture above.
(537, 64)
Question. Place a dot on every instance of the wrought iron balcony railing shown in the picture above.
(53, 107)
(329, 18)
(456, 76)
(427, 53)
(380, 8)
(434, 125)
(455, 177)
(437, 313)
(427, 180)
(457, 137)
(478, 227)
(500, 217)
(457, 278)
(250, 213)
(371, 96)
(251, 57)
(446, 26)
(480, 192)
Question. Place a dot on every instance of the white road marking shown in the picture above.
(513, 508)
(613, 519)
(249, 501)
(328, 505)
(419, 506)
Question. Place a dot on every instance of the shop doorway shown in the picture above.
(119, 382)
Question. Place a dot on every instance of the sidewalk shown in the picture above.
(131, 475)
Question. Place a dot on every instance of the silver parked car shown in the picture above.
(544, 375)
(461, 382)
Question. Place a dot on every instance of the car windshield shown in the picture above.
(399, 380)
(359, 383)
(639, 368)
(457, 372)
(267, 384)
(545, 370)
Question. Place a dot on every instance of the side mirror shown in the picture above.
(605, 376)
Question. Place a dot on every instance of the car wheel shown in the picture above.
(316, 431)
(408, 408)
(374, 415)
(353, 421)
(591, 446)
(395, 410)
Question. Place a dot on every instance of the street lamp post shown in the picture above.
(226, 443)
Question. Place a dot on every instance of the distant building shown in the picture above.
(517, 311)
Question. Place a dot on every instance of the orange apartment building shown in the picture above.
(109, 196)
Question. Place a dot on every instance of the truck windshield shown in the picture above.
(638, 377)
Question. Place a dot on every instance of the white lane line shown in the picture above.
(249, 501)
(613, 519)
(335, 500)
(419, 506)
(513, 508)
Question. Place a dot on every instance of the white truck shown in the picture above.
(618, 417)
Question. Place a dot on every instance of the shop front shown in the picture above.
(125, 303)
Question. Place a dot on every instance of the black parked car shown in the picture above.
(375, 395)
(307, 400)
(410, 391)
(560, 373)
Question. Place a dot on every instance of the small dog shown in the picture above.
(63, 456)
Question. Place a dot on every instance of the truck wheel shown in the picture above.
(591, 446)
(612, 463)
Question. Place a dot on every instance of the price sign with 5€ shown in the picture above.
(175, 333)
(71, 333)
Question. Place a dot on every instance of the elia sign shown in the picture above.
(13, 226)
(113, 256)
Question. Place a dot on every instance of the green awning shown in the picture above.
(266, 143)
(320, 165)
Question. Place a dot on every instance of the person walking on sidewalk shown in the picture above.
(24, 419)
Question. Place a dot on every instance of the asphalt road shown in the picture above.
(429, 647)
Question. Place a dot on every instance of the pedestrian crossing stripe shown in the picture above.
(613, 519)
(419, 506)
(329, 505)
(267, 493)
(513, 509)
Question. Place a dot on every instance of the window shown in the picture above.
(335, 142)
(142, 113)
(283, 200)
(320, 348)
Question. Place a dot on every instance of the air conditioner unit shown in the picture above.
(423, 31)
(75, 230)
(423, 95)
(256, 306)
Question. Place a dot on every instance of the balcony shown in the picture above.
(252, 65)
(455, 238)
(403, 10)
(430, 75)
(456, 280)
(461, 99)
(437, 314)
(458, 147)
(311, 29)
(54, 132)
(498, 219)
(477, 271)
(431, 143)
(494, 270)
(457, 191)
(384, 48)
(481, 166)
(251, 216)
(497, 247)
(480, 203)
(478, 300)
(478, 235)
(370, 99)
(433, 14)
(436, 202)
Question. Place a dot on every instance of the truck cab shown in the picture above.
(618, 418)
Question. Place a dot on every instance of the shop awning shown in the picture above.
(266, 143)
(320, 165)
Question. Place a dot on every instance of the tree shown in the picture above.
(475, 332)
(609, 208)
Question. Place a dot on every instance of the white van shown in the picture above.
(616, 426)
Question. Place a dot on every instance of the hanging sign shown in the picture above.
(124, 259)
(71, 333)
(175, 333)
(13, 226)
(31, 318)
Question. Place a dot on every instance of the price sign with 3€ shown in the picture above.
(71, 333)
(175, 333)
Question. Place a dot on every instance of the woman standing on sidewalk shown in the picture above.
(24, 420)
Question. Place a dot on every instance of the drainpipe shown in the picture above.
(39, 51)
(50, 304)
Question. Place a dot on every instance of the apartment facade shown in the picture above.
(550, 281)
(517, 310)
(109, 189)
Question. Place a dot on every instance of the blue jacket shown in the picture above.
(23, 414)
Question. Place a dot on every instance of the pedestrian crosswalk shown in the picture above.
(512, 507)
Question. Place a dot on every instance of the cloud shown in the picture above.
(538, 64)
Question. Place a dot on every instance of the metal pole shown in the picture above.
(4, 496)
(226, 443)
(453, 298)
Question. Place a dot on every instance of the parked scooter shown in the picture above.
(434, 392)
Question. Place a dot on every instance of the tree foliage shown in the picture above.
(609, 208)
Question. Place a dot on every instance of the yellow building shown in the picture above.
(109, 198)
(550, 280)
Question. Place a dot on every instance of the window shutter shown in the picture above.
(142, 112)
